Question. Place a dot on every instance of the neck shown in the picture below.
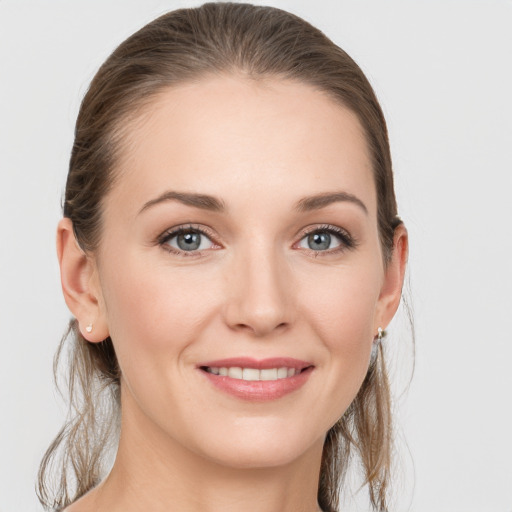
(154, 472)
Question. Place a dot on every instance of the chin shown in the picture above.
(261, 447)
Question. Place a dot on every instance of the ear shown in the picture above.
(391, 291)
(80, 284)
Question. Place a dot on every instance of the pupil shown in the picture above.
(319, 241)
(189, 241)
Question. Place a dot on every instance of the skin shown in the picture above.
(255, 288)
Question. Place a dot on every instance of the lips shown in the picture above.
(257, 380)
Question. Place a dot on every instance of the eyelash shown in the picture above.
(347, 242)
(181, 230)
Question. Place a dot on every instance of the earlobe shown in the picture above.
(391, 291)
(80, 284)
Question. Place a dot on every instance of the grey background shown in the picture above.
(442, 70)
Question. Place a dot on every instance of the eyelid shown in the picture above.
(347, 241)
(184, 228)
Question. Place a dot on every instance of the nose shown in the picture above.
(260, 295)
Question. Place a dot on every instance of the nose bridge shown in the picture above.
(260, 299)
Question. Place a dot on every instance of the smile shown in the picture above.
(252, 374)
(257, 380)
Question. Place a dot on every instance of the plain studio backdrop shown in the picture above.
(442, 71)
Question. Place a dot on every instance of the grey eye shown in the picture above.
(188, 241)
(320, 241)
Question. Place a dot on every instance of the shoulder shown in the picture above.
(83, 504)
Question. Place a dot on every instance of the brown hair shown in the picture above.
(186, 44)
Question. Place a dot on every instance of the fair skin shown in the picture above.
(251, 281)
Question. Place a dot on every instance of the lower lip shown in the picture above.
(259, 390)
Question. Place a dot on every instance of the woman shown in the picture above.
(231, 254)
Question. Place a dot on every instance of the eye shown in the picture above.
(328, 238)
(319, 241)
(186, 240)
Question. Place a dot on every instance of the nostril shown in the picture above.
(257, 311)
(260, 327)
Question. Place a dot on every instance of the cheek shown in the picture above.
(340, 307)
(156, 314)
(153, 310)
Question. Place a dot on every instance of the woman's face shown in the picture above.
(240, 242)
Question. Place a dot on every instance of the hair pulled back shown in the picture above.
(183, 45)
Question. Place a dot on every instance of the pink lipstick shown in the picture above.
(257, 380)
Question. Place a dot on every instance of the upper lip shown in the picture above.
(259, 364)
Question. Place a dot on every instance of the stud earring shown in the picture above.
(89, 328)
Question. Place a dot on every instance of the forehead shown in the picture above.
(231, 136)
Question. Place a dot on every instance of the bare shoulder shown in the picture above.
(83, 504)
(76, 507)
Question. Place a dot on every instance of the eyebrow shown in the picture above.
(211, 203)
(319, 201)
(203, 201)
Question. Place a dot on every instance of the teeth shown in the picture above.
(250, 374)
(282, 373)
(270, 374)
(235, 372)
